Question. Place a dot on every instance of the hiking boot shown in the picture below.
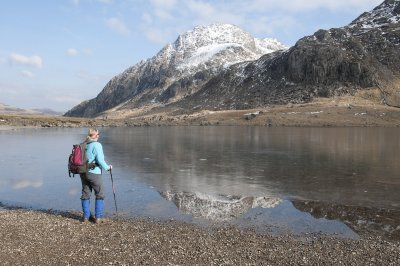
(85, 220)
(92, 219)
(99, 220)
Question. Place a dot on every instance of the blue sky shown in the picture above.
(57, 53)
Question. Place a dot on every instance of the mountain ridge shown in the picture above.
(363, 55)
(335, 62)
(179, 68)
(7, 109)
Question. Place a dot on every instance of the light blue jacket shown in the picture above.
(94, 153)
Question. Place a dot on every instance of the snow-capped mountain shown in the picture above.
(221, 67)
(179, 69)
(364, 55)
(381, 16)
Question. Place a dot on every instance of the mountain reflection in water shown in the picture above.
(363, 221)
(354, 166)
(217, 208)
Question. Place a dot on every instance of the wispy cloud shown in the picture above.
(261, 17)
(72, 52)
(35, 61)
(146, 18)
(163, 8)
(269, 25)
(108, 2)
(163, 4)
(118, 26)
(157, 35)
(88, 51)
(75, 2)
(27, 73)
(298, 6)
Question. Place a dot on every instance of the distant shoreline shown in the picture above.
(326, 113)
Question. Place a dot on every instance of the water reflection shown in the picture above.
(347, 165)
(284, 167)
(217, 207)
(20, 184)
(363, 220)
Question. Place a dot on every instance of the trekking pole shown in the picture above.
(115, 200)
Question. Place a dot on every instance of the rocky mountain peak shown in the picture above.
(386, 13)
(179, 69)
(212, 34)
(214, 45)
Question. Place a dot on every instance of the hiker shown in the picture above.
(92, 180)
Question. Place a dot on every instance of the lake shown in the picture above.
(341, 181)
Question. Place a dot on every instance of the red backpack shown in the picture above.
(78, 162)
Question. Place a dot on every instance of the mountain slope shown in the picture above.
(362, 55)
(219, 67)
(179, 69)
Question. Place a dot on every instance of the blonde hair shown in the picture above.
(92, 134)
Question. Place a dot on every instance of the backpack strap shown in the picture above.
(93, 164)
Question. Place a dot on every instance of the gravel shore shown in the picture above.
(32, 237)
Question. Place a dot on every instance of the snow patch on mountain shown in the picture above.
(216, 45)
(204, 54)
(266, 46)
(386, 13)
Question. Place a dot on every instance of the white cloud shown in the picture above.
(163, 8)
(270, 25)
(35, 61)
(146, 18)
(72, 52)
(205, 13)
(156, 35)
(117, 26)
(269, 18)
(108, 2)
(201, 8)
(297, 6)
(163, 14)
(163, 4)
(27, 73)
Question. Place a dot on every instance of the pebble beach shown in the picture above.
(33, 237)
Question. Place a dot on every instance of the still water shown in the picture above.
(273, 178)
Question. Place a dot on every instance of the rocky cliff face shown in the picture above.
(362, 55)
(179, 69)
